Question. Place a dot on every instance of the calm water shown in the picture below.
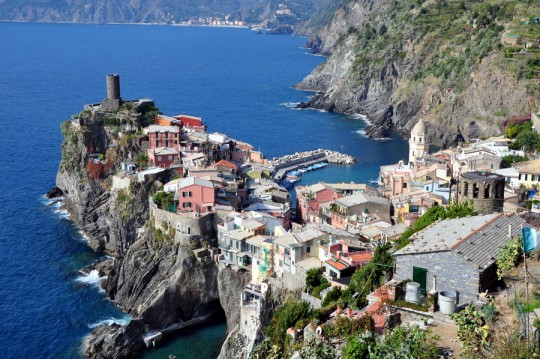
(239, 82)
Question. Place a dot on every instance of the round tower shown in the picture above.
(485, 189)
(418, 144)
(113, 87)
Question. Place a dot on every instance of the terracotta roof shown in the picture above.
(225, 163)
(336, 264)
(361, 257)
(530, 167)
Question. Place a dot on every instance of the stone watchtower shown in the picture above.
(418, 144)
(113, 101)
(485, 189)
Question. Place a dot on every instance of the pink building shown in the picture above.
(163, 136)
(163, 156)
(196, 195)
(310, 198)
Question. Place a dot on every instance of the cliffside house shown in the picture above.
(195, 195)
(163, 156)
(191, 122)
(528, 172)
(282, 211)
(310, 198)
(163, 136)
(457, 254)
(348, 209)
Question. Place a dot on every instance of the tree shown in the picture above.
(164, 200)
(285, 317)
(141, 159)
(332, 296)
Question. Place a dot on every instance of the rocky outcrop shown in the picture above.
(159, 283)
(111, 219)
(386, 63)
(231, 283)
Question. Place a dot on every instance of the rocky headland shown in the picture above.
(396, 62)
(158, 281)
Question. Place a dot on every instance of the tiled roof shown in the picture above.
(482, 247)
(442, 235)
(225, 163)
(361, 257)
(337, 264)
(529, 167)
(189, 181)
(157, 128)
(252, 224)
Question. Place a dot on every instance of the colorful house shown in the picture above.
(163, 136)
(163, 156)
(310, 198)
(196, 195)
(341, 212)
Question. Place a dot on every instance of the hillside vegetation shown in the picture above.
(462, 65)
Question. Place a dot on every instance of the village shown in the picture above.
(240, 210)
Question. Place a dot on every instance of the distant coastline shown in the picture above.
(126, 23)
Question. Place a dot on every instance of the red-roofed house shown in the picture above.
(310, 198)
(225, 166)
(191, 121)
(196, 195)
(337, 268)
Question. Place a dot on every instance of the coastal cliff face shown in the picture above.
(92, 204)
(159, 282)
(397, 61)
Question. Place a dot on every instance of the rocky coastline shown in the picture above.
(384, 82)
(159, 283)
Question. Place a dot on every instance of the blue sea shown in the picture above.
(238, 81)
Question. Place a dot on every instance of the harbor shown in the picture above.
(301, 162)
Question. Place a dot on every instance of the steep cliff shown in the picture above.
(159, 282)
(110, 218)
(396, 61)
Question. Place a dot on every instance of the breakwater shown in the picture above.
(281, 165)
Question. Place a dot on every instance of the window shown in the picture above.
(159, 158)
(404, 185)
(186, 194)
(209, 208)
(308, 249)
(170, 158)
(186, 205)
(188, 230)
(475, 190)
(420, 139)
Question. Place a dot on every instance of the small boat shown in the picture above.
(374, 182)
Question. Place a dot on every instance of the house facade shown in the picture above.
(196, 195)
(163, 136)
(310, 198)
